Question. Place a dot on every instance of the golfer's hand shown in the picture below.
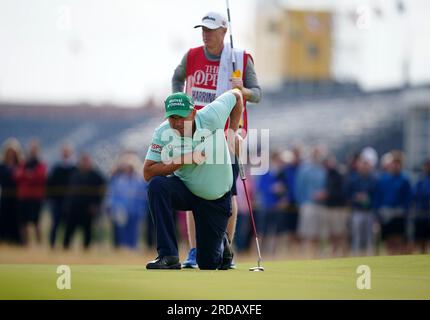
(235, 141)
(199, 157)
(195, 157)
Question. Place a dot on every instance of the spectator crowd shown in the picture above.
(307, 203)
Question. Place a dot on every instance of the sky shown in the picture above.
(124, 52)
(101, 51)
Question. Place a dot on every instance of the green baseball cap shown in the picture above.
(179, 104)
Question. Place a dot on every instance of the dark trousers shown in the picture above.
(167, 194)
(243, 231)
(10, 221)
(78, 217)
(30, 211)
(57, 216)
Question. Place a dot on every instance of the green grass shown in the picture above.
(395, 277)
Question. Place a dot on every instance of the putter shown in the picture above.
(259, 267)
(237, 73)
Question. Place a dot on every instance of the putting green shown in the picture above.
(394, 277)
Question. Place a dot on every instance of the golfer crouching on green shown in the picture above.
(188, 167)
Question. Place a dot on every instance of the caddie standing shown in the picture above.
(205, 73)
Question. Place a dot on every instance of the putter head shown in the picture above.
(256, 269)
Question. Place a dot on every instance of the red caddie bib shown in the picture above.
(202, 78)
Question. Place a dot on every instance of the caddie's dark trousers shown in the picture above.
(167, 194)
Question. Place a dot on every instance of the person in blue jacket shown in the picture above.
(289, 176)
(361, 194)
(422, 210)
(273, 199)
(126, 203)
(393, 201)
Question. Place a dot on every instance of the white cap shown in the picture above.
(369, 154)
(213, 20)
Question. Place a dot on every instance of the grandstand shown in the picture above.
(343, 123)
(97, 130)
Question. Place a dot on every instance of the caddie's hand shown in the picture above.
(237, 83)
